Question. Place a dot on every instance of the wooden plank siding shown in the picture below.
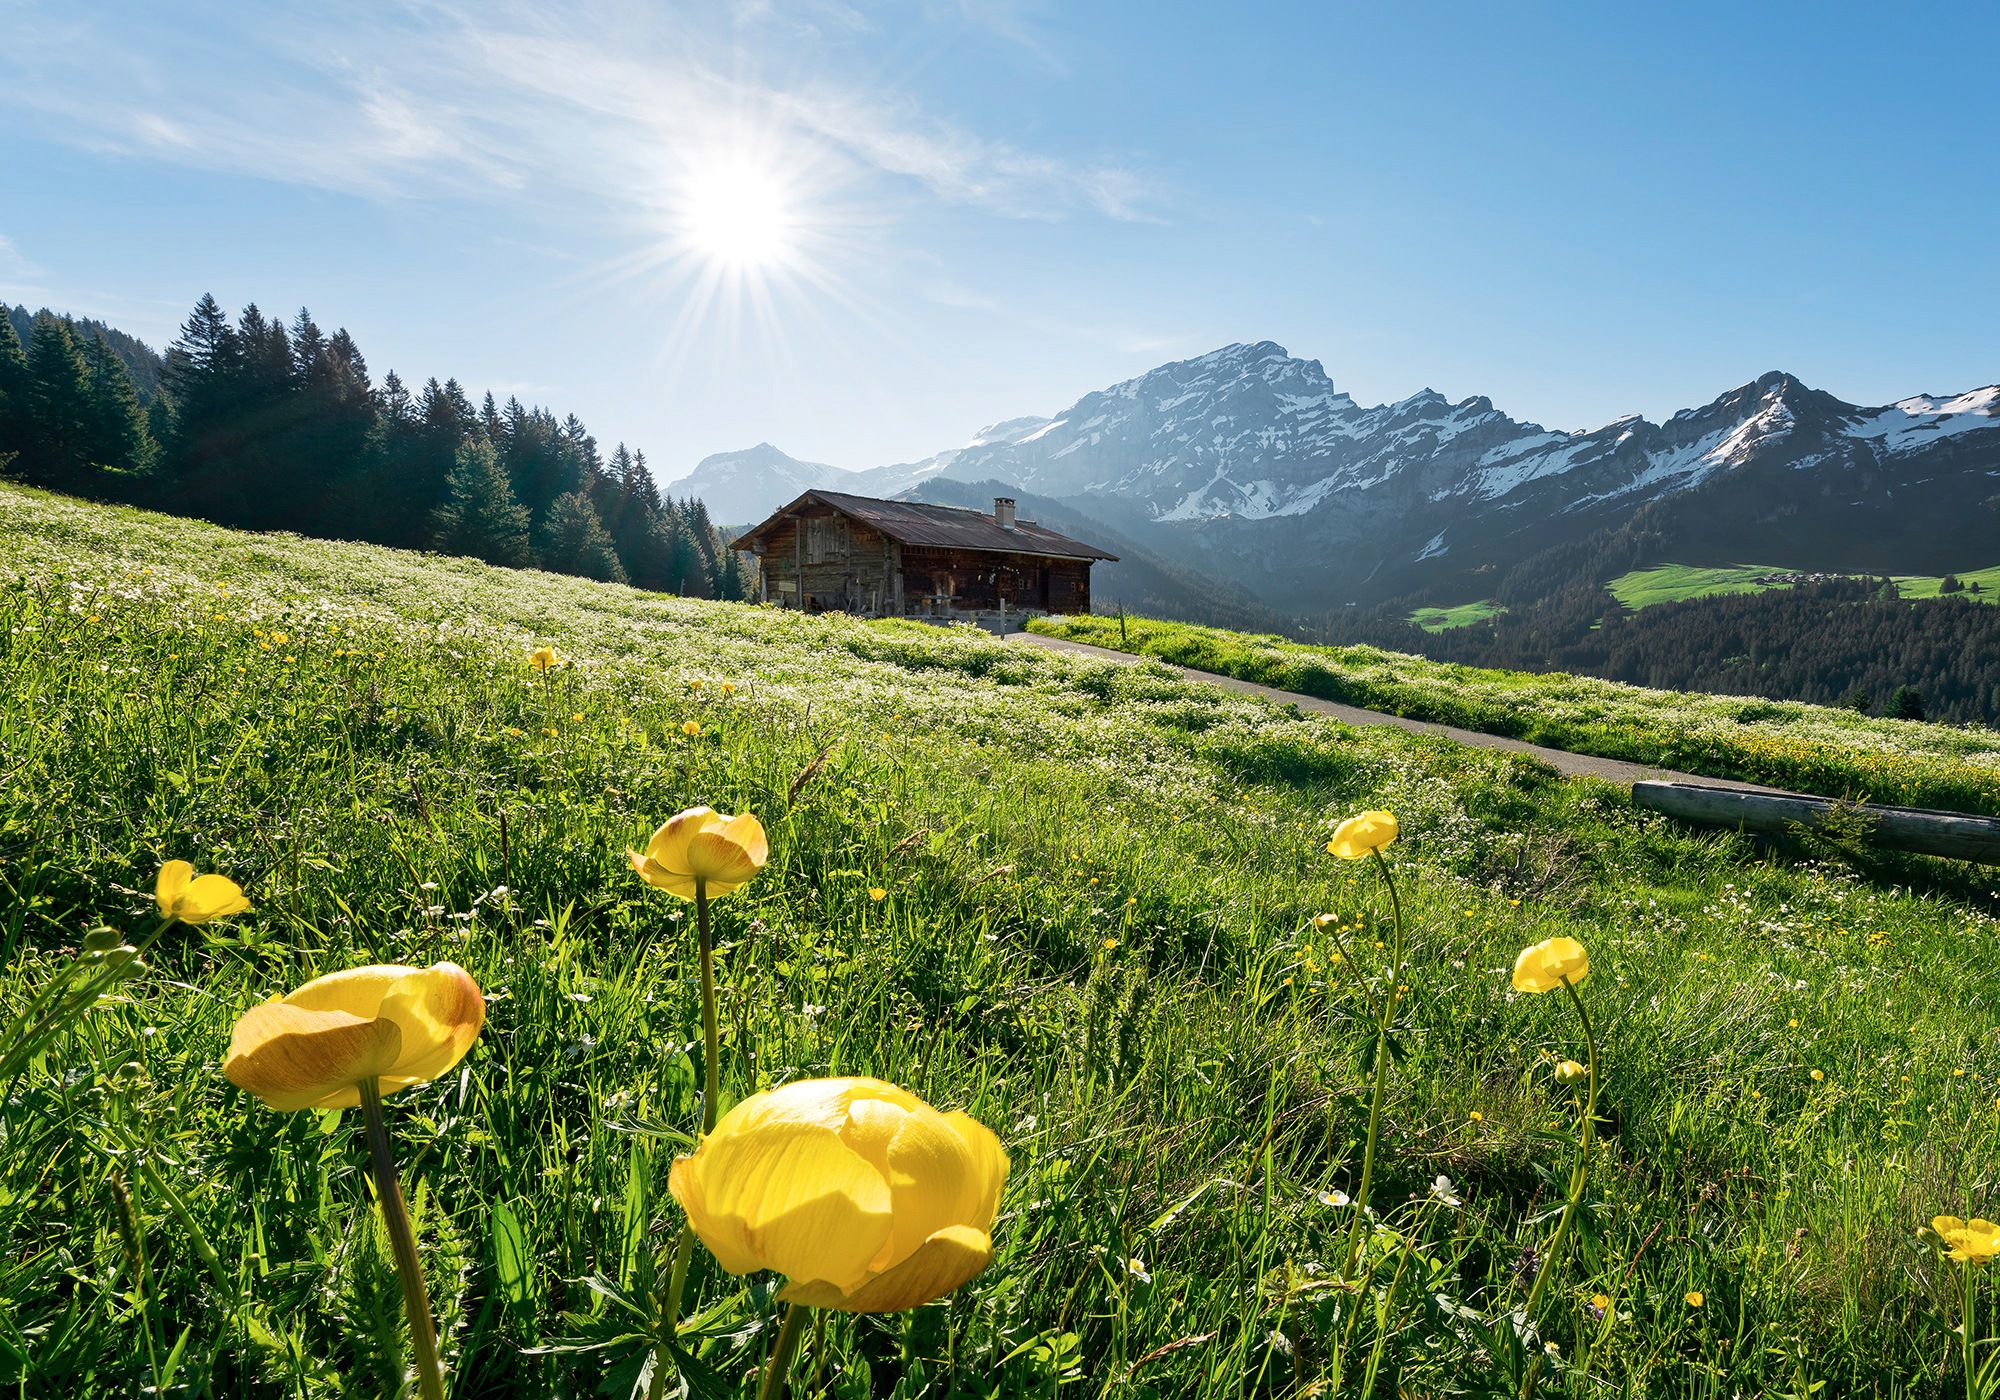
(818, 557)
(849, 567)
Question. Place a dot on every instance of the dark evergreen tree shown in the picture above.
(731, 586)
(1905, 703)
(59, 405)
(574, 541)
(118, 440)
(480, 516)
(15, 411)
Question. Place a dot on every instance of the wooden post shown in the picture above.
(799, 582)
(1953, 835)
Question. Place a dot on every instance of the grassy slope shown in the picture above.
(1464, 615)
(1096, 938)
(1811, 748)
(1676, 583)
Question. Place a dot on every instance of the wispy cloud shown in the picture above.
(494, 101)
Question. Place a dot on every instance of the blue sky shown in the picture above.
(963, 212)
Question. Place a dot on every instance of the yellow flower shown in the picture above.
(1695, 1300)
(1476, 1116)
(196, 899)
(728, 687)
(1792, 1024)
(1818, 1075)
(1359, 836)
(863, 1195)
(541, 658)
(1601, 1301)
(1569, 1071)
(1322, 920)
(317, 1046)
(703, 845)
(1550, 963)
(1972, 1241)
(691, 729)
(695, 684)
(877, 893)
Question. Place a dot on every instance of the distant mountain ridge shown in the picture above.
(1250, 464)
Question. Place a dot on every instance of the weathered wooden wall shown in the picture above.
(825, 561)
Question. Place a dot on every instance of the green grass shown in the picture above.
(1676, 583)
(1464, 615)
(1097, 939)
(1926, 585)
(1810, 748)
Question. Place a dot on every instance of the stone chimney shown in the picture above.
(1003, 512)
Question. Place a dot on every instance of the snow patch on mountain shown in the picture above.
(1921, 419)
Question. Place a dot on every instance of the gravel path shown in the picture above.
(1575, 765)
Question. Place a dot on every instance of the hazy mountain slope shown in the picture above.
(140, 359)
(741, 488)
(1141, 581)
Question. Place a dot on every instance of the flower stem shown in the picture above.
(1579, 1173)
(1965, 1333)
(711, 1093)
(787, 1345)
(389, 1191)
(1389, 1001)
(711, 1052)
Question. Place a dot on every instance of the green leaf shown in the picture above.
(511, 1259)
(638, 1190)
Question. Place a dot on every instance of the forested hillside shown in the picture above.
(141, 360)
(266, 426)
(1853, 641)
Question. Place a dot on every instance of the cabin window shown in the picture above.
(823, 539)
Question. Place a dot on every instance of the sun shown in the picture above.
(737, 217)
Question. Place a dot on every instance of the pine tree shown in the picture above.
(574, 541)
(1906, 703)
(117, 438)
(480, 517)
(59, 408)
(13, 392)
(731, 586)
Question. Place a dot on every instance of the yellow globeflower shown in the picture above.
(195, 899)
(1695, 1299)
(1569, 1071)
(863, 1195)
(541, 658)
(1549, 964)
(397, 1025)
(703, 844)
(1972, 1241)
(1360, 836)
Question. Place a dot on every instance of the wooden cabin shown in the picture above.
(828, 552)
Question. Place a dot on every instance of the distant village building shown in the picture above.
(828, 552)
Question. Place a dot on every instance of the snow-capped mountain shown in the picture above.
(1279, 480)
(1253, 465)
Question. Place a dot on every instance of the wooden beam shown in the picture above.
(1954, 835)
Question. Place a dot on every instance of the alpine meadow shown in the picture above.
(999, 700)
(1263, 1128)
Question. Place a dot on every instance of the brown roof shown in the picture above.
(938, 527)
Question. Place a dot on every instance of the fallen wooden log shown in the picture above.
(1954, 835)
